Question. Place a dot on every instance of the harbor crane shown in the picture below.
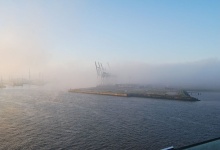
(102, 73)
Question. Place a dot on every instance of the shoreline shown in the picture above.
(182, 95)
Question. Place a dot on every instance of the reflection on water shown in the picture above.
(43, 119)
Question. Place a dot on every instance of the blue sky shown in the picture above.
(149, 31)
(62, 39)
(153, 31)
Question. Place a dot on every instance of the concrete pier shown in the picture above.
(136, 92)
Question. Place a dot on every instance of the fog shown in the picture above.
(22, 51)
(203, 74)
(25, 47)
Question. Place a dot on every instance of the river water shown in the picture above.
(32, 118)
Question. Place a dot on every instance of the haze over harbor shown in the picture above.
(150, 42)
(98, 74)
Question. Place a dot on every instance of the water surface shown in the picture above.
(46, 119)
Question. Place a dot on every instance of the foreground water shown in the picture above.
(45, 119)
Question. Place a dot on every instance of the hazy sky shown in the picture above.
(54, 33)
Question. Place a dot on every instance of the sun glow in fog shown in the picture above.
(60, 41)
